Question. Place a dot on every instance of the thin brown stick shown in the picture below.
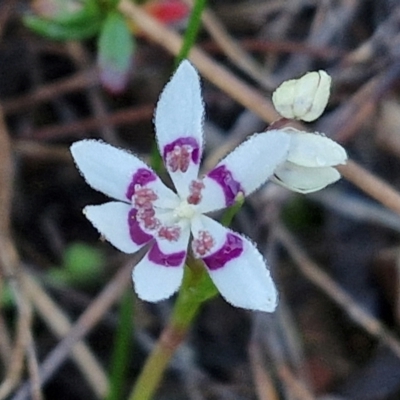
(33, 368)
(356, 312)
(80, 128)
(280, 46)
(248, 97)
(42, 152)
(371, 184)
(213, 71)
(233, 50)
(50, 91)
(293, 384)
(82, 59)
(58, 322)
(87, 321)
(9, 262)
(264, 383)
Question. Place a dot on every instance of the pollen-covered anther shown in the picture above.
(170, 233)
(146, 217)
(195, 188)
(144, 197)
(179, 158)
(203, 244)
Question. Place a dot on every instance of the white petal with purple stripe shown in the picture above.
(159, 274)
(113, 171)
(249, 165)
(155, 282)
(236, 267)
(114, 221)
(179, 126)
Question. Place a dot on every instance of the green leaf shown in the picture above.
(78, 25)
(115, 52)
(56, 31)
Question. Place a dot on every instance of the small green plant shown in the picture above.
(69, 20)
(81, 264)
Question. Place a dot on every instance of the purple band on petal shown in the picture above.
(166, 260)
(229, 185)
(232, 248)
(182, 141)
(136, 233)
(140, 177)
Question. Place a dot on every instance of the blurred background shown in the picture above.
(334, 254)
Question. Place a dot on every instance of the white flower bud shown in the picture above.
(304, 98)
(310, 161)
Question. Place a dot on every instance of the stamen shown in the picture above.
(180, 153)
(179, 157)
(170, 233)
(195, 192)
(144, 197)
(203, 243)
(146, 216)
(143, 201)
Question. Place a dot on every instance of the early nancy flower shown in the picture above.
(304, 98)
(147, 212)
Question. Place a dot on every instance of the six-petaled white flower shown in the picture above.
(148, 213)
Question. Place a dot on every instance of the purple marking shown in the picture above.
(191, 141)
(166, 260)
(229, 185)
(140, 177)
(232, 248)
(136, 233)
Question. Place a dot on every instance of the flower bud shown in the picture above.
(304, 98)
(310, 161)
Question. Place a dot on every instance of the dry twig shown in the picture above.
(9, 263)
(87, 321)
(356, 312)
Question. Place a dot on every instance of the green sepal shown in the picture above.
(231, 211)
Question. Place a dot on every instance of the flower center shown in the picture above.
(185, 210)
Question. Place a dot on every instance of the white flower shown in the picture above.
(147, 212)
(304, 98)
(309, 164)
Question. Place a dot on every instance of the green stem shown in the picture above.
(195, 290)
(122, 348)
(191, 31)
